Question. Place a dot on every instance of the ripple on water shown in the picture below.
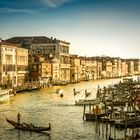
(42, 107)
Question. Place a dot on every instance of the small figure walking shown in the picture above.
(18, 118)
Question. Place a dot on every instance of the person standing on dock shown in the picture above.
(18, 118)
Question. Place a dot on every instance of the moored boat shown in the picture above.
(95, 112)
(5, 95)
(133, 122)
(28, 127)
(86, 102)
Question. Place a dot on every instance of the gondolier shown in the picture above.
(18, 118)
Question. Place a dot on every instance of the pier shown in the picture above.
(118, 107)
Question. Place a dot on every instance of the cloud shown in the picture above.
(14, 10)
(54, 3)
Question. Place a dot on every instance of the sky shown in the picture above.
(93, 27)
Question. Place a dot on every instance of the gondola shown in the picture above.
(87, 94)
(28, 127)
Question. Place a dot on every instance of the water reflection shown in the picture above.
(20, 135)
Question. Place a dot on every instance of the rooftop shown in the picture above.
(34, 39)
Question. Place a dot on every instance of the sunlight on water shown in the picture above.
(44, 106)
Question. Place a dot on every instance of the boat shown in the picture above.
(95, 111)
(86, 102)
(136, 137)
(5, 95)
(59, 91)
(127, 79)
(133, 122)
(28, 127)
(61, 95)
(75, 92)
(87, 93)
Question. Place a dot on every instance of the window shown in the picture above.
(9, 59)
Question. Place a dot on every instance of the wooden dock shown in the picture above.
(128, 123)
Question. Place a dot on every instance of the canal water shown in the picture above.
(45, 106)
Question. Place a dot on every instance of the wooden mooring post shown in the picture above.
(84, 112)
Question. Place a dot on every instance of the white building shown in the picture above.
(8, 63)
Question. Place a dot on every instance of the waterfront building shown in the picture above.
(14, 64)
(88, 68)
(83, 75)
(75, 68)
(130, 64)
(124, 68)
(136, 66)
(109, 69)
(103, 71)
(115, 67)
(8, 74)
(91, 68)
(98, 67)
(22, 65)
(55, 71)
(39, 45)
(119, 68)
(63, 56)
(40, 69)
(61, 67)
(42, 45)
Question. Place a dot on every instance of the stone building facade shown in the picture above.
(22, 65)
(13, 64)
(75, 68)
(66, 68)
(51, 49)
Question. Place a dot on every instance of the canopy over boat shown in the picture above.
(28, 127)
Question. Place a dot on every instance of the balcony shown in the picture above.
(65, 66)
(22, 72)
